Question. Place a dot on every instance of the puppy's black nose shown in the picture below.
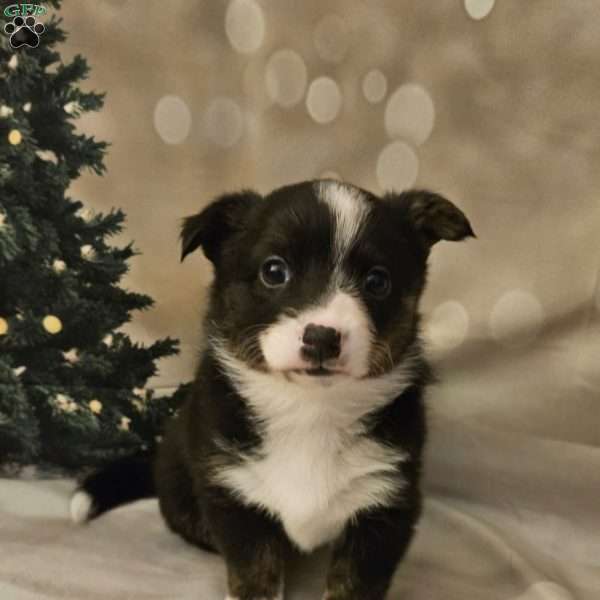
(320, 343)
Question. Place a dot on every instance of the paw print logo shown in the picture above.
(24, 32)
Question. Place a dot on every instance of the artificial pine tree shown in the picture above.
(72, 386)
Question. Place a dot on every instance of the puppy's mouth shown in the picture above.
(319, 372)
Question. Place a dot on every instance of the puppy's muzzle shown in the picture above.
(320, 344)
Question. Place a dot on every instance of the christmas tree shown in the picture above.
(72, 385)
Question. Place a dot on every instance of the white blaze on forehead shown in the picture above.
(349, 209)
(339, 308)
(281, 343)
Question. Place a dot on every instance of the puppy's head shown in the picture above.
(319, 280)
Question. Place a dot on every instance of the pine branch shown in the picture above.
(70, 379)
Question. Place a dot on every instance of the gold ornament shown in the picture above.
(62, 399)
(139, 405)
(87, 251)
(58, 266)
(124, 424)
(3, 326)
(15, 137)
(72, 108)
(87, 214)
(95, 406)
(65, 403)
(72, 356)
(52, 324)
(47, 156)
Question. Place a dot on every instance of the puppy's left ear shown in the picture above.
(212, 226)
(433, 217)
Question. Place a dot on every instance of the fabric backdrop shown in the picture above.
(494, 105)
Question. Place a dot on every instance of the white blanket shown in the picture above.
(525, 546)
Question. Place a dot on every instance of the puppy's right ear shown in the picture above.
(211, 227)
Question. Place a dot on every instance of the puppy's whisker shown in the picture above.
(250, 328)
(389, 355)
(381, 359)
(249, 350)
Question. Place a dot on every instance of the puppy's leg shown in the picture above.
(254, 548)
(178, 500)
(367, 553)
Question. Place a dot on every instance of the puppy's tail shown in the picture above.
(125, 480)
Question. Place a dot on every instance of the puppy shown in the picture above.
(305, 425)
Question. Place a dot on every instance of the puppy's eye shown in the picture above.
(275, 272)
(378, 283)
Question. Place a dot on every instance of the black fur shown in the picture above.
(237, 233)
(125, 480)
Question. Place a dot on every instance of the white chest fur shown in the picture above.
(315, 469)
